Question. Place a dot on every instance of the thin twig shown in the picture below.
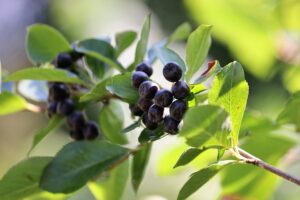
(250, 159)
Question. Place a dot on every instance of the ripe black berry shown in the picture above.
(145, 68)
(172, 72)
(171, 125)
(180, 90)
(58, 92)
(76, 134)
(91, 130)
(64, 61)
(52, 108)
(155, 113)
(66, 107)
(149, 124)
(163, 98)
(177, 109)
(76, 121)
(148, 89)
(138, 77)
(135, 110)
(144, 104)
(76, 55)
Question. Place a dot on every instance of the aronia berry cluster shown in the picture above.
(61, 103)
(154, 100)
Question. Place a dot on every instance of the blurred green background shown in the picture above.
(264, 35)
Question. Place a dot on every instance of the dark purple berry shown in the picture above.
(52, 109)
(137, 78)
(91, 130)
(135, 110)
(148, 89)
(64, 61)
(149, 124)
(172, 72)
(58, 92)
(163, 98)
(155, 113)
(145, 68)
(76, 55)
(177, 109)
(66, 107)
(171, 125)
(76, 121)
(76, 135)
(144, 104)
(180, 90)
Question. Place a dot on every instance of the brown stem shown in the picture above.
(257, 162)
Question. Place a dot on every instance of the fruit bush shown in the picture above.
(206, 109)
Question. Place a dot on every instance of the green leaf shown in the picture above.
(230, 90)
(197, 48)
(78, 162)
(204, 123)
(100, 50)
(22, 180)
(11, 103)
(124, 40)
(46, 74)
(139, 163)
(54, 122)
(111, 120)
(132, 127)
(43, 43)
(166, 55)
(197, 88)
(198, 179)
(113, 186)
(150, 135)
(181, 32)
(141, 47)
(291, 112)
(102, 47)
(120, 85)
(190, 154)
(96, 93)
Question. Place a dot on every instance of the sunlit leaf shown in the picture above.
(197, 48)
(11, 103)
(203, 123)
(43, 43)
(22, 180)
(230, 91)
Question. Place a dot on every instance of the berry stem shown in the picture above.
(34, 108)
(250, 159)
